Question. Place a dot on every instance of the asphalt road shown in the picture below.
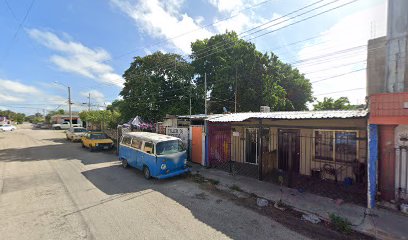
(54, 189)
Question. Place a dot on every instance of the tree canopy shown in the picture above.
(101, 118)
(234, 66)
(13, 116)
(153, 89)
(329, 103)
(52, 113)
(162, 83)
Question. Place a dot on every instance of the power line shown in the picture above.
(289, 19)
(271, 26)
(20, 25)
(140, 97)
(336, 76)
(224, 44)
(348, 90)
(354, 48)
(194, 30)
(337, 66)
(10, 10)
(271, 21)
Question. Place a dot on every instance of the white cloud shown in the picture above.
(164, 20)
(237, 24)
(227, 5)
(351, 31)
(96, 96)
(244, 21)
(6, 98)
(16, 87)
(14, 91)
(76, 58)
(18, 94)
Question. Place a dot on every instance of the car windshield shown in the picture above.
(169, 147)
(79, 130)
(98, 136)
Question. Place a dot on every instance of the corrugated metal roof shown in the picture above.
(201, 116)
(239, 117)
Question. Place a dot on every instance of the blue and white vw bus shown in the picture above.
(159, 156)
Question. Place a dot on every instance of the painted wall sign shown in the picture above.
(181, 133)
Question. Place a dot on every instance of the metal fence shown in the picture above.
(327, 162)
(393, 174)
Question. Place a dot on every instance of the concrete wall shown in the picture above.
(396, 78)
(376, 52)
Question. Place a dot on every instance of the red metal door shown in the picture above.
(386, 168)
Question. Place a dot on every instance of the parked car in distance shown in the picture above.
(7, 127)
(75, 133)
(64, 125)
(96, 141)
(159, 156)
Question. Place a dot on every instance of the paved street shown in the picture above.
(54, 189)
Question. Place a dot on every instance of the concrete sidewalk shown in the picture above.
(379, 223)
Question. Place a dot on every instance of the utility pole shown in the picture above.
(190, 100)
(205, 93)
(69, 106)
(236, 74)
(89, 102)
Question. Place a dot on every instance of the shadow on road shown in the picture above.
(128, 184)
(63, 150)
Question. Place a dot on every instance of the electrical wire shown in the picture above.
(347, 90)
(336, 76)
(314, 58)
(197, 29)
(171, 64)
(19, 26)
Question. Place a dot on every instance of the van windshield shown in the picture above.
(169, 147)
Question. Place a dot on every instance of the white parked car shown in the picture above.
(7, 127)
(75, 133)
(64, 125)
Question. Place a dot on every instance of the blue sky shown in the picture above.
(88, 44)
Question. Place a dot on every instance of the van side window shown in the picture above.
(149, 147)
(136, 143)
(126, 141)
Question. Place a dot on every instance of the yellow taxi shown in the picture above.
(96, 141)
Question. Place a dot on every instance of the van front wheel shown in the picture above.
(146, 173)
(124, 163)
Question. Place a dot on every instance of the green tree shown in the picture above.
(52, 113)
(152, 89)
(234, 66)
(13, 116)
(329, 103)
(101, 118)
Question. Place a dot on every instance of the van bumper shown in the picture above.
(172, 174)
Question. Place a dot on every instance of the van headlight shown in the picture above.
(163, 166)
(96, 145)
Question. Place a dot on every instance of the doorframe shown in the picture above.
(278, 145)
(256, 149)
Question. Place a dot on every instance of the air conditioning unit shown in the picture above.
(265, 109)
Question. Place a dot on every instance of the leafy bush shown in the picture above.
(340, 224)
